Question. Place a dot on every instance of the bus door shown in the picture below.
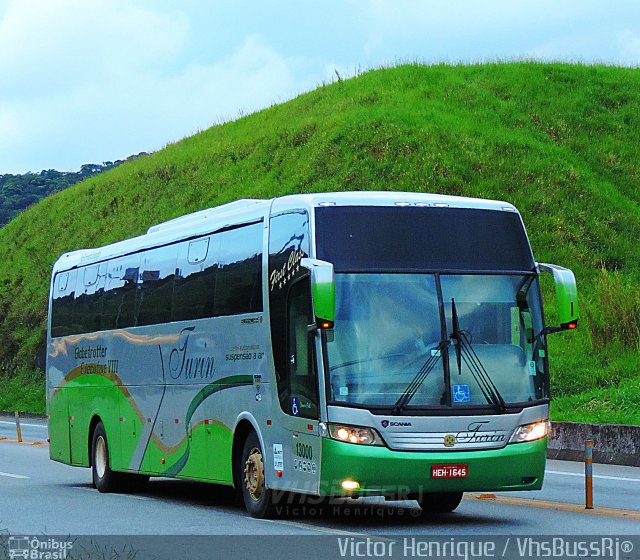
(296, 444)
(301, 403)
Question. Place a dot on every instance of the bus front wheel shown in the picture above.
(440, 502)
(257, 498)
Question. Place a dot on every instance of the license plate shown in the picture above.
(449, 471)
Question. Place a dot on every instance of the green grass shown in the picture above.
(558, 141)
(618, 404)
(23, 391)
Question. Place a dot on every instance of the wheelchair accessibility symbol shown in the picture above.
(295, 406)
(461, 394)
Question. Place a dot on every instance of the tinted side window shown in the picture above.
(119, 308)
(62, 306)
(87, 310)
(195, 279)
(155, 287)
(288, 243)
(239, 280)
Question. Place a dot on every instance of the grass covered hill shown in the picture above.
(558, 141)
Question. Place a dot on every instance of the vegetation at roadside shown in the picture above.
(558, 141)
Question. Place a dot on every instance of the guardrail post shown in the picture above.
(18, 427)
(588, 473)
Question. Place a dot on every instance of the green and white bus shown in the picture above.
(340, 344)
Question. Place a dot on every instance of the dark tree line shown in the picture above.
(18, 192)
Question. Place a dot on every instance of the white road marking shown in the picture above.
(605, 477)
(110, 494)
(23, 424)
(13, 475)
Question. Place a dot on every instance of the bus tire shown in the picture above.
(440, 502)
(257, 499)
(104, 479)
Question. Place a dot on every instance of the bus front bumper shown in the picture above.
(406, 474)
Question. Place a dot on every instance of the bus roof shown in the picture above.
(248, 210)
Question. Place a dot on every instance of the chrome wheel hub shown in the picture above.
(254, 474)
(101, 456)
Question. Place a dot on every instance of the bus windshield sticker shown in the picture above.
(287, 271)
(461, 394)
(278, 457)
(295, 406)
(533, 370)
(515, 326)
(344, 391)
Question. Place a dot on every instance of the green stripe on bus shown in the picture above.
(215, 387)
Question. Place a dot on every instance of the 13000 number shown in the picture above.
(304, 451)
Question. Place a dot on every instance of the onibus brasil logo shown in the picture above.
(38, 548)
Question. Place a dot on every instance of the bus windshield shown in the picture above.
(389, 326)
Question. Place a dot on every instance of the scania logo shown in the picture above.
(387, 423)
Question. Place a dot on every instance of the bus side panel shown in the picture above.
(79, 409)
(89, 396)
(194, 432)
(131, 426)
(194, 446)
(59, 447)
(214, 369)
(152, 463)
(138, 406)
(105, 400)
(219, 440)
(136, 368)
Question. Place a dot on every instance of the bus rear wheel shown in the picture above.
(257, 498)
(440, 502)
(104, 479)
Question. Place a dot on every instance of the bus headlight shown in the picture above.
(354, 434)
(531, 432)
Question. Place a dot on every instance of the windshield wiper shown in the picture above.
(419, 378)
(465, 351)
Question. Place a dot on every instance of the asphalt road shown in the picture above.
(38, 495)
(41, 497)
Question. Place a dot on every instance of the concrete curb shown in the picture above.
(24, 442)
(24, 415)
(613, 444)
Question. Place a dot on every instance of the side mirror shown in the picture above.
(324, 292)
(566, 295)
